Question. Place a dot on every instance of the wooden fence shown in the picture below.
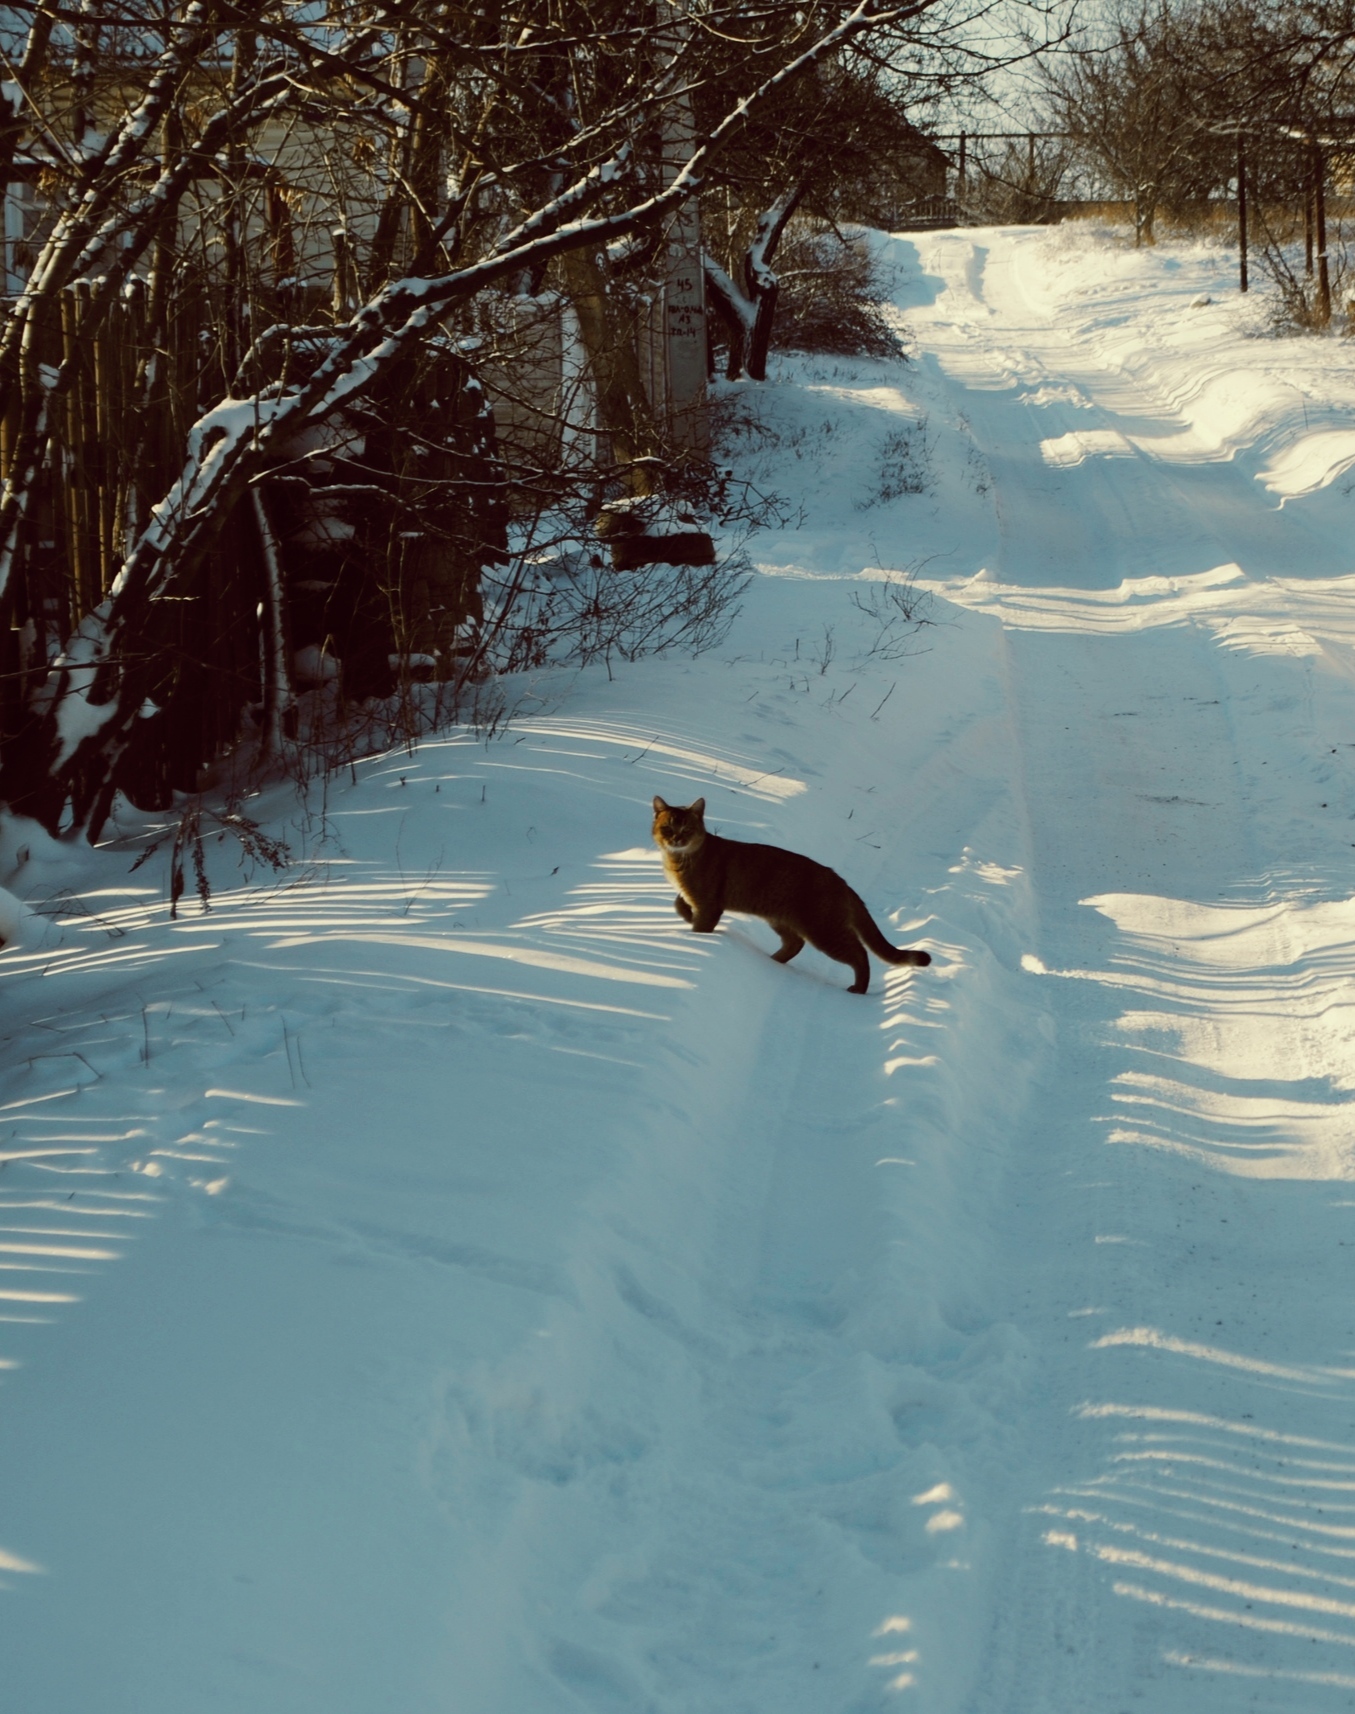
(393, 574)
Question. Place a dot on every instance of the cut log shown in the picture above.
(687, 547)
(644, 532)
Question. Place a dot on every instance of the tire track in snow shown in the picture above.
(785, 1295)
(1181, 1525)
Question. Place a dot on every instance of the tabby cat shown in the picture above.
(801, 899)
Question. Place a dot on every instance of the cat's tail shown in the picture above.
(866, 927)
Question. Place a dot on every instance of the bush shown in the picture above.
(832, 287)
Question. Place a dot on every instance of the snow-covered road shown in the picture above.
(1180, 1526)
(442, 1284)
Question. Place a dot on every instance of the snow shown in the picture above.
(311, 665)
(436, 1280)
(78, 717)
(17, 925)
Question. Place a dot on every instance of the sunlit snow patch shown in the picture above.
(1059, 394)
(1071, 449)
(1309, 463)
(1240, 1013)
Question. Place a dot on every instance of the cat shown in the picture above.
(802, 900)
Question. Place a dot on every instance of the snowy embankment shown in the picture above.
(441, 1282)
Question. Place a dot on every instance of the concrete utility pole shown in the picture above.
(684, 283)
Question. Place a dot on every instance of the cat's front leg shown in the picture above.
(683, 909)
(705, 921)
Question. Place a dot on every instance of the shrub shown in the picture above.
(832, 287)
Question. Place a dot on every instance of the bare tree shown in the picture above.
(1020, 181)
(843, 145)
(1137, 100)
(336, 194)
(1179, 101)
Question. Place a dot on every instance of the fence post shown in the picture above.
(1320, 211)
(1241, 213)
(1308, 227)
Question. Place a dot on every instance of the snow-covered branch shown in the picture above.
(94, 699)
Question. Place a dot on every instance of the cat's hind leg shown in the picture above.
(861, 965)
(846, 949)
(791, 944)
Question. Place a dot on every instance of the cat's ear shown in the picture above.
(659, 806)
(699, 807)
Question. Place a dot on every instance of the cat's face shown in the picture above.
(677, 829)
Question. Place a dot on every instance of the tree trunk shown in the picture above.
(609, 341)
(277, 689)
(763, 286)
(735, 313)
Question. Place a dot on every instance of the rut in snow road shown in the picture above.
(1178, 1242)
